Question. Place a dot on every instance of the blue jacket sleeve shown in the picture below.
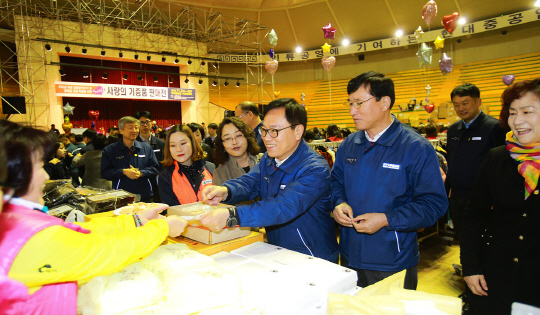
(166, 192)
(311, 184)
(108, 170)
(338, 188)
(429, 201)
(246, 187)
(152, 169)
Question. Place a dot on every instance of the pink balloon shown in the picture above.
(271, 66)
(429, 12)
(508, 79)
(328, 62)
(329, 31)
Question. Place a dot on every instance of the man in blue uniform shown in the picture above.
(386, 184)
(293, 182)
(129, 163)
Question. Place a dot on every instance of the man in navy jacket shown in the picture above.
(293, 182)
(386, 184)
(129, 163)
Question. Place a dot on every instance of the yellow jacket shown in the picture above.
(58, 254)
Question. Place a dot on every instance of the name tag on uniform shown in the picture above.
(476, 138)
(206, 182)
(157, 150)
(391, 166)
(351, 160)
(142, 155)
(282, 186)
(119, 157)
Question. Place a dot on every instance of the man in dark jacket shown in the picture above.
(158, 146)
(386, 184)
(88, 136)
(130, 164)
(212, 132)
(469, 141)
(293, 182)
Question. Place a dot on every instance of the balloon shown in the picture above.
(303, 96)
(326, 47)
(508, 79)
(429, 108)
(446, 64)
(272, 37)
(93, 125)
(329, 31)
(424, 54)
(271, 66)
(439, 42)
(427, 99)
(93, 114)
(66, 119)
(419, 33)
(429, 12)
(428, 89)
(328, 62)
(303, 104)
(66, 126)
(276, 93)
(271, 53)
(450, 22)
(68, 109)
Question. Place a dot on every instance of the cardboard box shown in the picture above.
(204, 235)
(216, 248)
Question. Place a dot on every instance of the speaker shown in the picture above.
(18, 105)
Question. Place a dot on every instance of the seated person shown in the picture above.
(92, 159)
(198, 131)
(57, 165)
(236, 150)
(309, 136)
(333, 133)
(186, 173)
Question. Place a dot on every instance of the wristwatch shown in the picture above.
(232, 221)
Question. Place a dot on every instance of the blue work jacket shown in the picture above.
(398, 175)
(295, 202)
(116, 157)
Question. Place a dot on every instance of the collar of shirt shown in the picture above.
(278, 162)
(146, 140)
(377, 136)
(467, 125)
(29, 204)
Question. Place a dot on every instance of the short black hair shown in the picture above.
(377, 83)
(309, 135)
(294, 112)
(90, 134)
(345, 132)
(99, 142)
(143, 113)
(111, 139)
(249, 107)
(78, 138)
(466, 89)
(333, 131)
(431, 130)
(316, 130)
(195, 126)
(213, 126)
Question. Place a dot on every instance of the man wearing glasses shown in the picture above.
(293, 182)
(158, 146)
(248, 113)
(386, 184)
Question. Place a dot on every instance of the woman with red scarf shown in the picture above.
(186, 173)
(500, 246)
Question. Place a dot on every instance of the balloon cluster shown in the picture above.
(94, 115)
(272, 65)
(329, 33)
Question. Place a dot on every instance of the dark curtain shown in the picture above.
(111, 110)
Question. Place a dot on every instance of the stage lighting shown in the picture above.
(126, 76)
(136, 57)
(48, 47)
(156, 79)
(148, 58)
(84, 51)
(171, 80)
(68, 50)
(186, 81)
(226, 83)
(215, 64)
(214, 83)
(200, 81)
(203, 63)
(176, 61)
(188, 62)
(85, 74)
(139, 77)
(238, 84)
(163, 59)
(102, 53)
(105, 75)
(121, 54)
(62, 72)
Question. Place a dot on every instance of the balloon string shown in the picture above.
(330, 86)
(273, 91)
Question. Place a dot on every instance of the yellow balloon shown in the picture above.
(326, 47)
(439, 42)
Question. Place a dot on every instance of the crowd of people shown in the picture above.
(385, 183)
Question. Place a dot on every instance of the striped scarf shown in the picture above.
(528, 157)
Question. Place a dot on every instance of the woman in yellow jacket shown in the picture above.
(50, 256)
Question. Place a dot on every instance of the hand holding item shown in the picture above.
(132, 173)
(370, 223)
(213, 195)
(215, 220)
(477, 284)
(176, 225)
(342, 214)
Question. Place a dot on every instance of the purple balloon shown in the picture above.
(446, 64)
(508, 79)
(271, 53)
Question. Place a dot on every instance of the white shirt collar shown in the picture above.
(146, 140)
(278, 162)
(377, 136)
(29, 204)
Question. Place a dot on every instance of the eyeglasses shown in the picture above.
(273, 132)
(146, 122)
(236, 138)
(242, 115)
(356, 104)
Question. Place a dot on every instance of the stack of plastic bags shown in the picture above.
(387, 297)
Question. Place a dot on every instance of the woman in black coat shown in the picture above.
(57, 165)
(500, 245)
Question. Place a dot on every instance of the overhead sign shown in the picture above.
(101, 90)
(405, 40)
